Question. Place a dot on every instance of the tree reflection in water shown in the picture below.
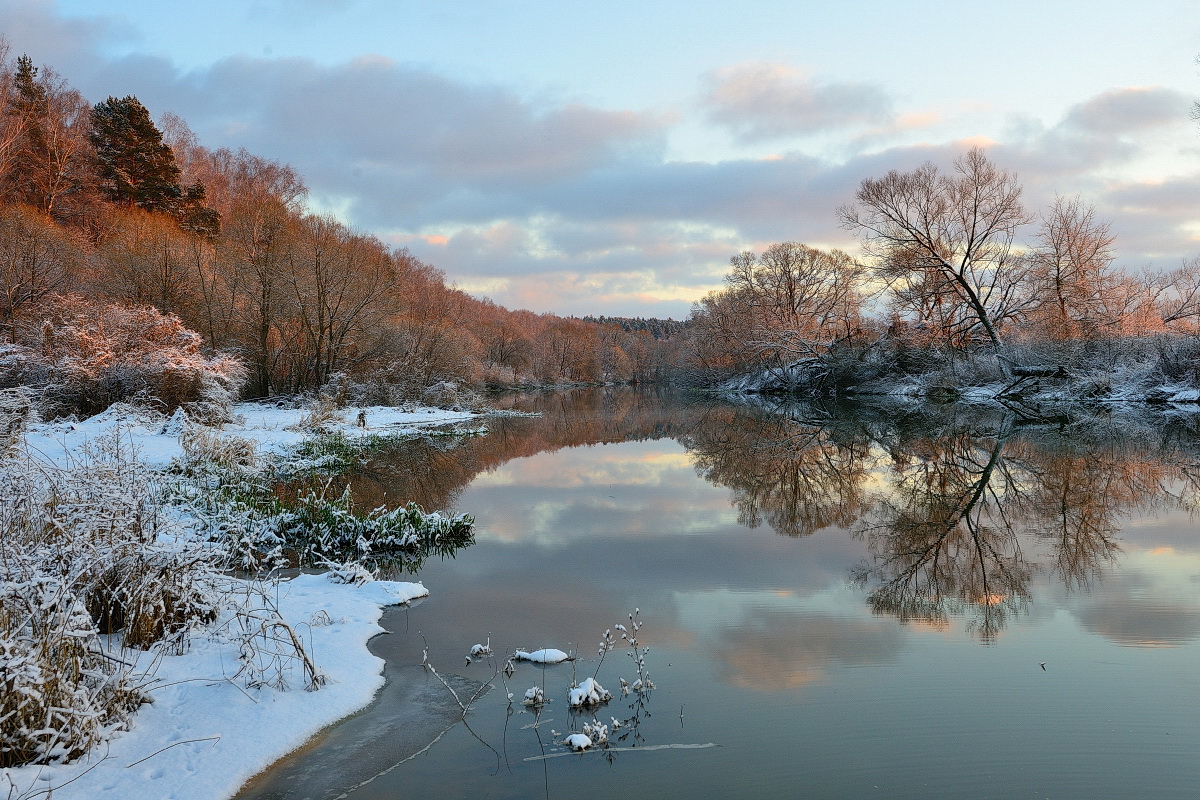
(960, 509)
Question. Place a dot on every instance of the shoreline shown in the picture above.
(407, 716)
(206, 731)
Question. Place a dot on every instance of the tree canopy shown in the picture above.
(134, 165)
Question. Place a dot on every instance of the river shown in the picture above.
(843, 601)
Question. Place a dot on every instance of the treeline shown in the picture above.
(660, 329)
(952, 265)
(102, 208)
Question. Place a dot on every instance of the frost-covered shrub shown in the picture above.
(15, 409)
(447, 394)
(318, 527)
(151, 594)
(58, 694)
(1178, 359)
(84, 356)
(86, 550)
(99, 523)
(261, 527)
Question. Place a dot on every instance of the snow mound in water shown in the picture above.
(545, 656)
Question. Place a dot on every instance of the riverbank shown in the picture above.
(277, 659)
(1155, 377)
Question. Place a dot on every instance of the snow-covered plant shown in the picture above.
(85, 551)
(317, 526)
(596, 731)
(203, 445)
(59, 693)
(269, 649)
(588, 694)
(637, 653)
(353, 573)
(15, 410)
(85, 355)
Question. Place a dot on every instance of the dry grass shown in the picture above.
(321, 413)
(86, 552)
(201, 444)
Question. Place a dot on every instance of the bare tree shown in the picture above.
(954, 232)
(339, 284)
(1176, 296)
(1079, 292)
(37, 258)
(804, 298)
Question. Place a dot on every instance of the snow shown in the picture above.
(546, 656)
(272, 429)
(242, 731)
(588, 693)
(578, 741)
(203, 735)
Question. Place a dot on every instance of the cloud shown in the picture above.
(1127, 110)
(1102, 132)
(66, 44)
(1155, 219)
(762, 100)
(779, 649)
(568, 206)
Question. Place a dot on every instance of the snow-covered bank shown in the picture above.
(99, 535)
(272, 429)
(1131, 387)
(219, 734)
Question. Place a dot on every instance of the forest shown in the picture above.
(136, 262)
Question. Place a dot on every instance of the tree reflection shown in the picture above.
(960, 509)
(796, 475)
(966, 523)
(941, 540)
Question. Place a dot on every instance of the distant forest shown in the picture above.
(136, 261)
(132, 256)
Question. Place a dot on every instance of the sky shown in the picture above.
(610, 158)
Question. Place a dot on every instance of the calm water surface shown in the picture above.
(848, 602)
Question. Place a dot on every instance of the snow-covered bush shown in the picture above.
(59, 694)
(447, 394)
(84, 355)
(85, 551)
(15, 409)
(261, 529)
(317, 527)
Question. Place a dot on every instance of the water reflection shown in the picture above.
(1067, 544)
(960, 509)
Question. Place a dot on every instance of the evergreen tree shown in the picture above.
(29, 103)
(135, 166)
(193, 215)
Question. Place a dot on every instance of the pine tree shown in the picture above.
(30, 104)
(135, 166)
(193, 215)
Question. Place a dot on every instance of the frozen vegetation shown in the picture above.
(1152, 371)
(132, 662)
